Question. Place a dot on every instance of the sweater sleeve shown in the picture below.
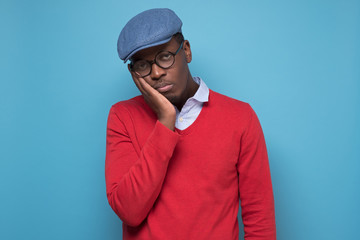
(133, 180)
(255, 187)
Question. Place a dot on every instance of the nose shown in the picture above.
(157, 72)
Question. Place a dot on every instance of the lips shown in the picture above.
(164, 87)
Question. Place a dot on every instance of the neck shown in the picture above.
(192, 87)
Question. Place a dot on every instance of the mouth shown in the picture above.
(164, 88)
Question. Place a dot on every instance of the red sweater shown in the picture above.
(186, 184)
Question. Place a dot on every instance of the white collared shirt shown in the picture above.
(192, 107)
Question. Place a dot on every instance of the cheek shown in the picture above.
(180, 73)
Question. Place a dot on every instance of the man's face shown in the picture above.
(175, 83)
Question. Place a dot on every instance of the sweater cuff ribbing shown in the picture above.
(163, 139)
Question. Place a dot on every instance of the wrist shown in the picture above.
(168, 122)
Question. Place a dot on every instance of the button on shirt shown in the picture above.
(192, 107)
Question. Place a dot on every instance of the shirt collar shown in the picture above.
(202, 94)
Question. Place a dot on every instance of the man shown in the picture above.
(180, 156)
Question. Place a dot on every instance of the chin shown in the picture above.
(172, 98)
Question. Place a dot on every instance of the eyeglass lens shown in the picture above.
(163, 59)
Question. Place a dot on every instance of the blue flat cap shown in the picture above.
(147, 29)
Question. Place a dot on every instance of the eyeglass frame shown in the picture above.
(154, 61)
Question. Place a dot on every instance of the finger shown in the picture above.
(150, 91)
(146, 87)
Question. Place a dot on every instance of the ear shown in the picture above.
(187, 51)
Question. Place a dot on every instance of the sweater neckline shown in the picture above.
(198, 120)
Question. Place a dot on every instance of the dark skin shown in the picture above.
(164, 88)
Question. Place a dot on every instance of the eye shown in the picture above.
(140, 65)
(166, 56)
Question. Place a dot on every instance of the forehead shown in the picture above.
(149, 53)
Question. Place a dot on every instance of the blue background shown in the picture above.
(296, 62)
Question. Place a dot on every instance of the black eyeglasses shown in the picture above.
(163, 59)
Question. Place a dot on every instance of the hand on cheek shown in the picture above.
(162, 107)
